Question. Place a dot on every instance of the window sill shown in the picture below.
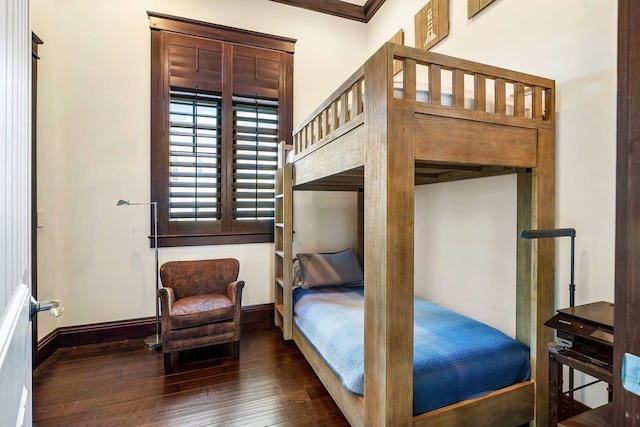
(176, 240)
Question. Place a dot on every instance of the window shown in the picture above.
(255, 158)
(221, 100)
(195, 162)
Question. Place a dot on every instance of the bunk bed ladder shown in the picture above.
(283, 236)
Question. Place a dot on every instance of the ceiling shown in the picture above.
(357, 10)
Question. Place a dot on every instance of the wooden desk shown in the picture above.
(556, 362)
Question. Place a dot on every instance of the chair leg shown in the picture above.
(236, 349)
(167, 363)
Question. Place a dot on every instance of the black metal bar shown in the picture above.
(560, 232)
(554, 232)
(582, 386)
(572, 285)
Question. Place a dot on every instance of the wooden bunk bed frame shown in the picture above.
(365, 137)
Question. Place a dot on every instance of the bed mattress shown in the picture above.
(455, 357)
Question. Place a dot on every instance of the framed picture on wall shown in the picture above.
(398, 38)
(475, 6)
(432, 24)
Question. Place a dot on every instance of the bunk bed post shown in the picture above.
(524, 279)
(543, 267)
(525, 323)
(360, 228)
(536, 264)
(389, 203)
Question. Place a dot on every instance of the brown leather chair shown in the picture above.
(200, 303)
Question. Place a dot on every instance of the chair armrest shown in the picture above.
(234, 291)
(167, 299)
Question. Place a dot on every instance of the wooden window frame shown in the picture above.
(162, 26)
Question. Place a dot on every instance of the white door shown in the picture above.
(15, 208)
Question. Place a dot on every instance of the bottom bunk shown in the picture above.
(463, 370)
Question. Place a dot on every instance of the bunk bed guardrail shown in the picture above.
(438, 81)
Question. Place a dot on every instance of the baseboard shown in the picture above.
(46, 347)
(120, 330)
(257, 313)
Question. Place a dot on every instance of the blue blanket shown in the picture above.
(455, 358)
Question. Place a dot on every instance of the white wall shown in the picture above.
(466, 231)
(93, 136)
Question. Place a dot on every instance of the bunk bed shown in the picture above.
(409, 117)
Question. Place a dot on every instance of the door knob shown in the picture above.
(53, 306)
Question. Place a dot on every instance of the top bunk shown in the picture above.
(460, 119)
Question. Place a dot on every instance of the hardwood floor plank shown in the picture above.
(213, 398)
(123, 383)
(152, 376)
(291, 412)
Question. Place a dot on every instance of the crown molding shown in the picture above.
(338, 8)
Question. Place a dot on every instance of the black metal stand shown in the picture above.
(552, 233)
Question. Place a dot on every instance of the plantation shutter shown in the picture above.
(255, 156)
(195, 156)
(256, 84)
(256, 72)
(194, 202)
(221, 102)
(194, 63)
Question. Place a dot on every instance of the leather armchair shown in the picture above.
(201, 305)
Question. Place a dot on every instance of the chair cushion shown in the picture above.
(200, 310)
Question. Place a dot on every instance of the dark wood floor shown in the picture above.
(123, 384)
